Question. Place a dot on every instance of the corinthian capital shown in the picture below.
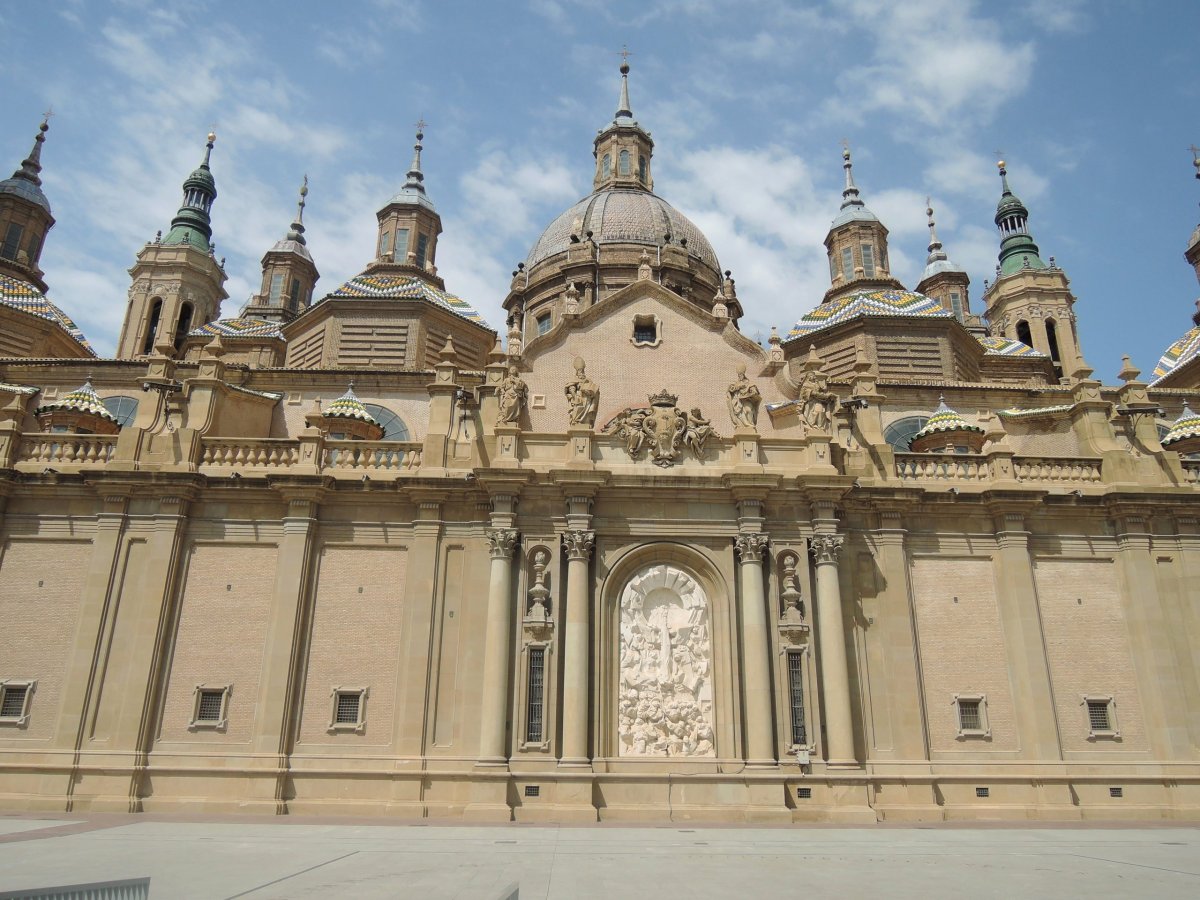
(750, 547)
(825, 548)
(578, 544)
(501, 542)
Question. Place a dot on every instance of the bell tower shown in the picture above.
(943, 280)
(25, 217)
(178, 284)
(1030, 301)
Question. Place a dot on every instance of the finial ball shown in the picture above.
(1000, 164)
(624, 68)
(846, 154)
(212, 136)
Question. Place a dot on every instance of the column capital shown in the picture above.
(825, 548)
(578, 544)
(750, 547)
(502, 542)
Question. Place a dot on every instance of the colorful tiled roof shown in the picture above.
(348, 406)
(1180, 353)
(867, 303)
(404, 287)
(995, 345)
(1034, 413)
(1186, 426)
(239, 328)
(25, 297)
(944, 419)
(83, 399)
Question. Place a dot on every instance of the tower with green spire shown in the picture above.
(1030, 301)
(25, 217)
(178, 284)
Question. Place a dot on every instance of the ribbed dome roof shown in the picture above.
(622, 216)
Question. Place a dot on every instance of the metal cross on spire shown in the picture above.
(420, 126)
(49, 113)
(625, 54)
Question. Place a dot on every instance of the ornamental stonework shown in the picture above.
(661, 431)
(666, 694)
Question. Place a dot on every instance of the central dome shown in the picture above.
(626, 217)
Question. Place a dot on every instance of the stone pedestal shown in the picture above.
(579, 447)
(508, 446)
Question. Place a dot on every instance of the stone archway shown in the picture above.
(665, 685)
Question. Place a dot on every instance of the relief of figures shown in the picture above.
(665, 695)
(661, 430)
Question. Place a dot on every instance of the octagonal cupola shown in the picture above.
(856, 245)
(346, 418)
(409, 224)
(25, 217)
(623, 148)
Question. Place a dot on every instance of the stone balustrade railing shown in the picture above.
(235, 453)
(1047, 469)
(941, 467)
(372, 456)
(66, 449)
(1191, 468)
(969, 467)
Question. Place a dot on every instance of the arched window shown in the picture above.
(606, 165)
(152, 325)
(901, 432)
(623, 163)
(642, 169)
(183, 326)
(123, 409)
(1052, 340)
(394, 428)
(1023, 333)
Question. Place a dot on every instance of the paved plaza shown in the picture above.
(300, 858)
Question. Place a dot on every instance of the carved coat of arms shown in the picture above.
(661, 430)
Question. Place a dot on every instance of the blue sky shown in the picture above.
(1094, 104)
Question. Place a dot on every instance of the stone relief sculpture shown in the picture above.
(744, 398)
(512, 393)
(583, 396)
(665, 694)
(662, 429)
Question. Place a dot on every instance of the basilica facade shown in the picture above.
(359, 552)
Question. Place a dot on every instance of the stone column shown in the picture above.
(831, 636)
(493, 747)
(756, 667)
(577, 648)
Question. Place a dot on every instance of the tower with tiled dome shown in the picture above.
(177, 281)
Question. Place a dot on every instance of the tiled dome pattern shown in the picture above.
(25, 297)
(404, 287)
(239, 328)
(867, 303)
(1178, 354)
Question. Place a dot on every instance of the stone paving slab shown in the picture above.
(297, 858)
(15, 826)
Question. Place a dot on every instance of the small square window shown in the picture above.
(211, 708)
(349, 709)
(15, 697)
(646, 331)
(982, 792)
(804, 793)
(972, 716)
(1101, 717)
(1116, 792)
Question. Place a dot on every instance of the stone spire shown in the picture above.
(416, 178)
(25, 216)
(296, 233)
(192, 224)
(289, 274)
(856, 244)
(409, 223)
(1017, 248)
(1193, 251)
(944, 280)
(623, 148)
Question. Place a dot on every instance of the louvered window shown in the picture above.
(535, 708)
(795, 663)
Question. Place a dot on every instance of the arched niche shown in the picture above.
(676, 599)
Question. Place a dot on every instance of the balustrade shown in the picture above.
(66, 449)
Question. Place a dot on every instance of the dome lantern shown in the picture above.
(947, 432)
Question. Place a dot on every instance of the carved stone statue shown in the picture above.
(512, 393)
(583, 396)
(663, 429)
(665, 694)
(817, 402)
(744, 398)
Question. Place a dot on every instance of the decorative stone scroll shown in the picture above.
(825, 548)
(662, 430)
(501, 542)
(665, 693)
